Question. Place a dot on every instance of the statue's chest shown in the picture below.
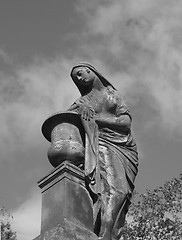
(105, 102)
(110, 101)
(97, 103)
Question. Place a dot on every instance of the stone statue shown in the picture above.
(111, 158)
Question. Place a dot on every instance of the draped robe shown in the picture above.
(111, 159)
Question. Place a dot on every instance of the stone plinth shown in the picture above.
(66, 205)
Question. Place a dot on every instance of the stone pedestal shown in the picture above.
(66, 205)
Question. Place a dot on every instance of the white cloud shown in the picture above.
(28, 97)
(6, 58)
(140, 41)
(27, 218)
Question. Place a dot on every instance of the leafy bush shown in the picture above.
(5, 220)
(157, 214)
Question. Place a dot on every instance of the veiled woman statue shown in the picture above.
(111, 158)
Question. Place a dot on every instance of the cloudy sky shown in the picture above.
(137, 45)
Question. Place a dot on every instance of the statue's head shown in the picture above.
(84, 75)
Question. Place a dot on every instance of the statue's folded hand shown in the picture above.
(86, 112)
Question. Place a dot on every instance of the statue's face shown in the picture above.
(84, 75)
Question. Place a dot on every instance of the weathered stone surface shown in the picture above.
(67, 231)
(111, 157)
(66, 204)
(67, 136)
(94, 134)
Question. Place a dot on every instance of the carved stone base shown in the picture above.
(67, 231)
(66, 205)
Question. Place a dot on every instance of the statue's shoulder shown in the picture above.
(118, 96)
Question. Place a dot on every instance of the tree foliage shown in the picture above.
(157, 214)
(5, 220)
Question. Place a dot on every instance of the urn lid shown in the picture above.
(58, 118)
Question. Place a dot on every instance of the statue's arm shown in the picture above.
(76, 105)
(120, 119)
(83, 109)
(116, 123)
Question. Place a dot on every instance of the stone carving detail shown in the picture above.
(95, 134)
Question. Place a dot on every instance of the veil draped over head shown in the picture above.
(82, 89)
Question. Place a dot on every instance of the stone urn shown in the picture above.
(67, 136)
